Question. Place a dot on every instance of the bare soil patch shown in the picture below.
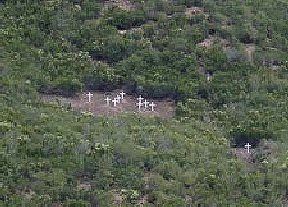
(211, 40)
(242, 153)
(125, 5)
(99, 107)
(207, 43)
(191, 11)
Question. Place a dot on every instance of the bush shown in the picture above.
(67, 86)
(76, 203)
(125, 20)
(241, 136)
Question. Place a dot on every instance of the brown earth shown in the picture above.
(243, 154)
(98, 106)
(190, 11)
(211, 40)
(122, 4)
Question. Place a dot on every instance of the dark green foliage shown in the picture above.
(190, 3)
(125, 20)
(52, 155)
(67, 86)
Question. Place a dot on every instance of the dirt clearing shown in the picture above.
(98, 106)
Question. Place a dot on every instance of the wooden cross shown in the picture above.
(107, 100)
(247, 146)
(90, 95)
(152, 106)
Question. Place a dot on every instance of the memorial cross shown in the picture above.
(107, 100)
(208, 77)
(90, 95)
(114, 101)
(247, 146)
(122, 95)
(140, 99)
(139, 104)
(118, 98)
(152, 106)
(146, 103)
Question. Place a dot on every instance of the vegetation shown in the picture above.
(52, 155)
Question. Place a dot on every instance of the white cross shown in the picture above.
(115, 101)
(208, 77)
(145, 103)
(247, 146)
(152, 106)
(139, 104)
(118, 98)
(90, 95)
(107, 100)
(122, 94)
(140, 99)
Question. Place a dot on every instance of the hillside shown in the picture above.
(222, 65)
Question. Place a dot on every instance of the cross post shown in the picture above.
(114, 101)
(152, 106)
(90, 95)
(146, 103)
(107, 100)
(140, 99)
(139, 104)
(118, 98)
(122, 95)
(247, 146)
